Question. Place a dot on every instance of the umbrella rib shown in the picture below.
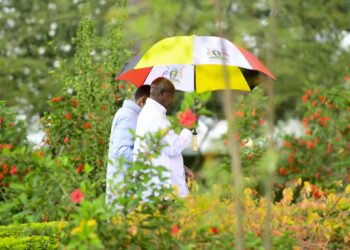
(194, 78)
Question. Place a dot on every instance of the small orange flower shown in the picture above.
(329, 148)
(239, 114)
(75, 103)
(253, 113)
(66, 140)
(314, 103)
(305, 98)
(68, 116)
(310, 144)
(56, 99)
(308, 132)
(286, 144)
(104, 108)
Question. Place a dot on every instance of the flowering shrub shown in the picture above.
(323, 153)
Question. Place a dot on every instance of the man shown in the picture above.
(121, 141)
(152, 118)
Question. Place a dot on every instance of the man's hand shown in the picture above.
(188, 174)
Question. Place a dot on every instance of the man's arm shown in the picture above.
(176, 143)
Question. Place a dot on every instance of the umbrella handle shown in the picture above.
(194, 140)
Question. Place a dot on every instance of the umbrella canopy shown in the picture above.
(195, 63)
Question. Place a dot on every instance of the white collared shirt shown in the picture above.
(151, 119)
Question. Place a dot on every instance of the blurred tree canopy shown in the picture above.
(307, 49)
(34, 35)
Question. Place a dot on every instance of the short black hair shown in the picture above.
(144, 90)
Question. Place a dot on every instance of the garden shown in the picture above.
(261, 186)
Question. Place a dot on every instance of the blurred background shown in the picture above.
(311, 43)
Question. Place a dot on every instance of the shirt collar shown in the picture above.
(132, 105)
(155, 105)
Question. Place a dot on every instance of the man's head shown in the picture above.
(142, 94)
(162, 91)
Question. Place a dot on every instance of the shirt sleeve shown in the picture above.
(176, 143)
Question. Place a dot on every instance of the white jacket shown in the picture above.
(151, 119)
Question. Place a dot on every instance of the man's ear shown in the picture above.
(143, 100)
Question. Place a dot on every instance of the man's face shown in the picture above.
(167, 99)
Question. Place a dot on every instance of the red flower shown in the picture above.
(75, 103)
(317, 175)
(310, 144)
(11, 124)
(56, 99)
(1, 119)
(346, 78)
(1, 176)
(316, 194)
(314, 103)
(41, 154)
(286, 144)
(308, 92)
(214, 230)
(282, 171)
(291, 157)
(187, 118)
(225, 142)
(304, 98)
(308, 132)
(76, 196)
(329, 148)
(249, 157)
(306, 123)
(79, 168)
(323, 99)
(87, 125)
(66, 140)
(104, 108)
(174, 229)
(68, 116)
(13, 169)
(5, 167)
(261, 122)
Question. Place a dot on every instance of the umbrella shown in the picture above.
(195, 63)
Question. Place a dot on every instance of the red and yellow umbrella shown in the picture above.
(195, 63)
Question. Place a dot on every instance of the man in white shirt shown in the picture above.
(153, 118)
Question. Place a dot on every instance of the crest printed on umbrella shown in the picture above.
(195, 63)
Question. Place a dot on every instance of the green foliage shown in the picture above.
(12, 132)
(32, 236)
(322, 153)
(27, 55)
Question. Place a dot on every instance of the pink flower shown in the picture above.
(261, 122)
(76, 196)
(187, 118)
